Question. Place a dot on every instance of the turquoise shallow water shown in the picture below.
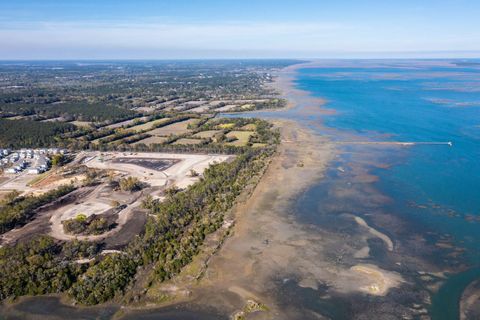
(433, 187)
(416, 104)
(429, 191)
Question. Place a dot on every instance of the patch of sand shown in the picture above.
(378, 281)
(376, 233)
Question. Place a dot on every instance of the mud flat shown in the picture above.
(284, 83)
(470, 303)
(272, 255)
(265, 239)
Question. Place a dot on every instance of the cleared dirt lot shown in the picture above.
(157, 171)
(149, 163)
(178, 173)
(98, 202)
(17, 182)
(3, 194)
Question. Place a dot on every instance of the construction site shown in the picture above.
(99, 197)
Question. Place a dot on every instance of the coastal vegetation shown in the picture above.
(41, 266)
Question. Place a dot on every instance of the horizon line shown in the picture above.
(233, 59)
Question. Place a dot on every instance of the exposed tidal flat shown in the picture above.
(397, 195)
(419, 194)
(344, 225)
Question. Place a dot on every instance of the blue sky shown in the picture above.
(147, 29)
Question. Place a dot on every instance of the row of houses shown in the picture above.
(17, 167)
(38, 160)
(42, 164)
(37, 166)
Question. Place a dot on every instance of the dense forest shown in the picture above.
(82, 111)
(26, 133)
(42, 266)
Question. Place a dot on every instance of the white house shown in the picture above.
(12, 170)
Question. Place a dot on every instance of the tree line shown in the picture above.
(74, 110)
(30, 134)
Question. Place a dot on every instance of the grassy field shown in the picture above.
(151, 140)
(241, 136)
(125, 123)
(259, 145)
(250, 127)
(226, 125)
(186, 141)
(148, 125)
(174, 128)
(206, 134)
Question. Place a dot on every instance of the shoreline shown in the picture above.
(294, 157)
(268, 241)
(263, 226)
(269, 246)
